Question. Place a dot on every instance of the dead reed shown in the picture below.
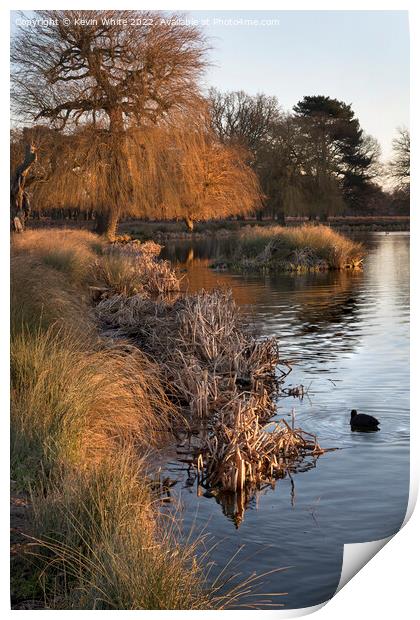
(240, 453)
(222, 378)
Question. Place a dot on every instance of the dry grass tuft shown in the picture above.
(132, 268)
(106, 546)
(84, 411)
(42, 295)
(71, 405)
(300, 248)
(69, 251)
(85, 260)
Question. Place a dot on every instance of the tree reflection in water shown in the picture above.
(316, 316)
(322, 307)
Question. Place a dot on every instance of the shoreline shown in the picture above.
(97, 384)
(171, 230)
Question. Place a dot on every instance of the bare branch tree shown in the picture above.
(112, 70)
(243, 119)
(399, 166)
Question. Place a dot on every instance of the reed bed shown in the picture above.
(299, 248)
(223, 379)
(239, 453)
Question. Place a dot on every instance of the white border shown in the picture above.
(386, 586)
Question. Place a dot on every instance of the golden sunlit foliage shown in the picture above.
(168, 172)
(301, 248)
(108, 94)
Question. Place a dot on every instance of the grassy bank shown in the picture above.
(110, 362)
(300, 248)
(86, 412)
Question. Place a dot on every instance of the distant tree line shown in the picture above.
(112, 123)
(315, 161)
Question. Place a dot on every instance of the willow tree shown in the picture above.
(176, 171)
(189, 174)
(113, 70)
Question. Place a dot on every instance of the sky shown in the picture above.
(360, 57)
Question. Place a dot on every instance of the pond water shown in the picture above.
(348, 336)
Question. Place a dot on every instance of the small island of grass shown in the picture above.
(301, 248)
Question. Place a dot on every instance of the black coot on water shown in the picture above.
(363, 422)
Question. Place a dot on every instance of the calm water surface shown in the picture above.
(348, 337)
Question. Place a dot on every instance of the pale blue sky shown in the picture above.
(360, 57)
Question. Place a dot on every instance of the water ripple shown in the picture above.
(348, 335)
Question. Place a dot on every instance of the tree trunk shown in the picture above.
(107, 223)
(281, 219)
(189, 222)
(119, 182)
(19, 200)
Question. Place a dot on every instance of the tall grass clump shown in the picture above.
(106, 546)
(71, 403)
(85, 261)
(133, 268)
(86, 413)
(71, 252)
(42, 295)
(300, 248)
